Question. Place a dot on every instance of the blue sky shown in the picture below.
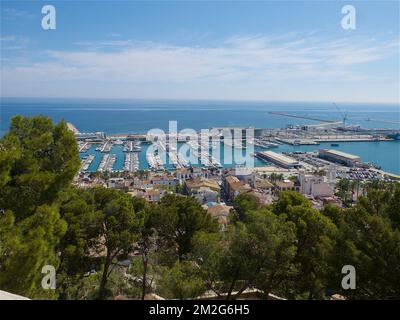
(235, 50)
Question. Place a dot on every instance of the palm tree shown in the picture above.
(343, 188)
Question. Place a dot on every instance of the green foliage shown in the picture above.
(315, 244)
(288, 248)
(369, 239)
(260, 252)
(37, 161)
(274, 245)
(178, 218)
(244, 203)
(181, 281)
(288, 199)
(276, 177)
(40, 160)
(30, 245)
(208, 250)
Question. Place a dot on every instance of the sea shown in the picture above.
(120, 116)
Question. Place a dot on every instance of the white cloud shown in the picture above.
(240, 61)
(11, 13)
(12, 42)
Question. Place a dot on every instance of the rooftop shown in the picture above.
(198, 183)
(219, 210)
(341, 154)
(231, 179)
(263, 183)
(280, 157)
(239, 186)
(285, 184)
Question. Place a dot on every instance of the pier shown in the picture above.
(105, 147)
(155, 162)
(86, 162)
(131, 162)
(107, 163)
(84, 147)
(303, 117)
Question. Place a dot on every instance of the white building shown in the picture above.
(205, 195)
(315, 186)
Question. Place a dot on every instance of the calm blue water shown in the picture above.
(123, 116)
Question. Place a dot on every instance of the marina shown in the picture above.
(107, 163)
(105, 147)
(173, 159)
(235, 143)
(370, 132)
(132, 146)
(167, 152)
(131, 162)
(86, 161)
(264, 143)
(154, 161)
(84, 146)
(384, 153)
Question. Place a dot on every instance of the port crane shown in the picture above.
(344, 115)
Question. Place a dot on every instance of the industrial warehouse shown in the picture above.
(279, 159)
(340, 157)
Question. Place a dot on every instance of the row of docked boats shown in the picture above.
(202, 153)
(131, 162)
(132, 146)
(235, 143)
(177, 159)
(264, 144)
(86, 162)
(107, 163)
(154, 161)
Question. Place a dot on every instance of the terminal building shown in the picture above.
(343, 158)
(279, 159)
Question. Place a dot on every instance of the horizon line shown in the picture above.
(204, 100)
